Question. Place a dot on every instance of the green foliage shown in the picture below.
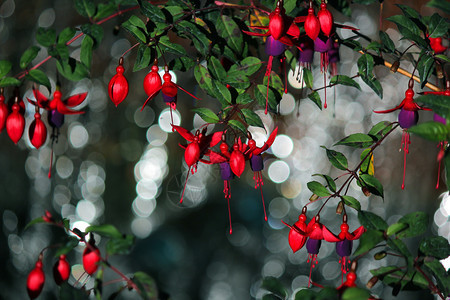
(337, 159)
(318, 189)
(344, 80)
(274, 286)
(435, 246)
(206, 114)
(147, 286)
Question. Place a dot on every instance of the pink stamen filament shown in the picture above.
(259, 183)
(227, 193)
(312, 259)
(268, 71)
(283, 67)
(441, 146)
(325, 88)
(405, 146)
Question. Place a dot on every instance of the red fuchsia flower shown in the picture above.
(256, 162)
(15, 122)
(407, 118)
(297, 234)
(152, 81)
(325, 18)
(35, 280)
(61, 270)
(91, 257)
(344, 244)
(118, 85)
(436, 45)
(37, 132)
(47, 217)
(198, 147)
(348, 283)
(3, 111)
(312, 23)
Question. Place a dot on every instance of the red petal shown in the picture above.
(267, 144)
(216, 138)
(184, 133)
(256, 34)
(216, 158)
(297, 240)
(237, 163)
(329, 236)
(75, 99)
(66, 111)
(357, 233)
(192, 154)
(41, 99)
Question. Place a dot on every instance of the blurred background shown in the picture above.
(124, 167)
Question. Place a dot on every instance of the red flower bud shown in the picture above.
(15, 124)
(61, 270)
(35, 280)
(312, 25)
(37, 131)
(3, 111)
(237, 162)
(192, 154)
(276, 24)
(91, 256)
(118, 85)
(152, 82)
(325, 19)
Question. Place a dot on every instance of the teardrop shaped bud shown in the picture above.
(237, 162)
(274, 47)
(325, 19)
(276, 24)
(91, 257)
(118, 85)
(35, 280)
(61, 270)
(312, 24)
(296, 239)
(3, 111)
(408, 118)
(152, 82)
(192, 154)
(15, 124)
(37, 132)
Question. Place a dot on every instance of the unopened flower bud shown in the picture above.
(365, 191)
(339, 208)
(313, 198)
(439, 71)
(372, 282)
(395, 66)
(380, 255)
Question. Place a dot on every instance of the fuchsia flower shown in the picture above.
(118, 85)
(407, 118)
(312, 23)
(152, 81)
(36, 280)
(37, 132)
(15, 122)
(3, 111)
(198, 147)
(436, 45)
(325, 18)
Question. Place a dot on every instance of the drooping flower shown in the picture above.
(118, 85)
(152, 81)
(312, 23)
(436, 45)
(61, 270)
(297, 234)
(91, 257)
(325, 19)
(256, 161)
(15, 122)
(3, 111)
(37, 131)
(407, 118)
(36, 280)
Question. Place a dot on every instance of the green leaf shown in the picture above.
(318, 189)
(34, 221)
(291, 59)
(438, 26)
(403, 21)
(305, 294)
(72, 69)
(222, 93)
(344, 80)
(274, 286)
(5, 67)
(249, 66)
(438, 103)
(143, 58)
(204, 79)
(68, 292)
(371, 221)
(9, 81)
(65, 35)
(442, 57)
(386, 41)
(166, 45)
(436, 246)
(120, 245)
(447, 168)
(355, 293)
(261, 96)
(314, 96)
(375, 46)
(216, 69)
(327, 293)
(152, 12)
(238, 125)
(46, 37)
(425, 67)
(432, 131)
(196, 33)
(352, 202)
(399, 246)
(86, 8)
(230, 31)
(443, 5)
(372, 184)
(147, 286)
(375, 85)
(396, 227)
(356, 140)
(206, 114)
(39, 77)
(251, 118)
(241, 81)
(418, 224)
(71, 243)
(107, 230)
(86, 51)
(136, 27)
(104, 10)
(94, 31)
(308, 78)
(182, 63)
(330, 182)
(244, 99)
(409, 12)
(367, 162)
(28, 56)
(369, 240)
(365, 65)
(175, 11)
(380, 129)
(440, 274)
(355, 45)
(337, 159)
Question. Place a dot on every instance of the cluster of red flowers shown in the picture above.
(61, 268)
(314, 232)
(231, 161)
